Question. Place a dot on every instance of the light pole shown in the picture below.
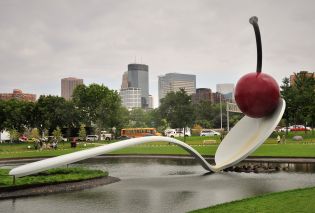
(114, 131)
(221, 109)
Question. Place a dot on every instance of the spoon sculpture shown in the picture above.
(263, 109)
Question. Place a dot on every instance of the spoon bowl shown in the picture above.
(245, 137)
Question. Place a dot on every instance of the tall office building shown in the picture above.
(227, 91)
(131, 97)
(124, 83)
(202, 94)
(174, 82)
(138, 77)
(68, 85)
(151, 103)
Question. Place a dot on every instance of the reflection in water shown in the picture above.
(160, 185)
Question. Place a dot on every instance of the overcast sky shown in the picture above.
(44, 41)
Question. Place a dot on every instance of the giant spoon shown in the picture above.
(243, 139)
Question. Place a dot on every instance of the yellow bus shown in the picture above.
(139, 132)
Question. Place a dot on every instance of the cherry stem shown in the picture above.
(254, 21)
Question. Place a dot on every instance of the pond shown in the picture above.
(163, 185)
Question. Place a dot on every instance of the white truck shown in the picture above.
(4, 136)
(106, 136)
(178, 132)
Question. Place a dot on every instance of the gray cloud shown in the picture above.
(44, 41)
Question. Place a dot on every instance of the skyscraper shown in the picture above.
(138, 77)
(202, 94)
(68, 85)
(124, 83)
(131, 97)
(227, 90)
(174, 82)
(151, 103)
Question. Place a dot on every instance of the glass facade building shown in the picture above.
(131, 97)
(138, 77)
(174, 82)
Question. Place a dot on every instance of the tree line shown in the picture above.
(99, 108)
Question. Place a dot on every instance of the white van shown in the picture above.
(4, 136)
(106, 136)
(91, 138)
(178, 132)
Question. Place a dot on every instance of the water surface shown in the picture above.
(160, 185)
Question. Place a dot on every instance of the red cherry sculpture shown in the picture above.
(257, 94)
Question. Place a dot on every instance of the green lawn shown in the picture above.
(51, 176)
(305, 148)
(299, 200)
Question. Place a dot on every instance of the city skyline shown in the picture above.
(210, 39)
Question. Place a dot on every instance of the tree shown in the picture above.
(300, 99)
(82, 131)
(57, 133)
(109, 111)
(137, 118)
(2, 115)
(288, 95)
(304, 101)
(154, 119)
(177, 108)
(50, 112)
(14, 135)
(18, 115)
(71, 116)
(98, 105)
(34, 133)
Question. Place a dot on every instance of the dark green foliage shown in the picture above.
(300, 100)
(16, 114)
(177, 109)
(52, 111)
(98, 105)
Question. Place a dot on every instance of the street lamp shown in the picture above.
(114, 131)
(221, 108)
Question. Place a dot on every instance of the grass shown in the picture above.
(299, 200)
(59, 175)
(305, 148)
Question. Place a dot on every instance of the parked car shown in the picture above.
(299, 128)
(209, 132)
(284, 129)
(91, 138)
(23, 138)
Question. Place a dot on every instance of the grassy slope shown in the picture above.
(51, 176)
(300, 200)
